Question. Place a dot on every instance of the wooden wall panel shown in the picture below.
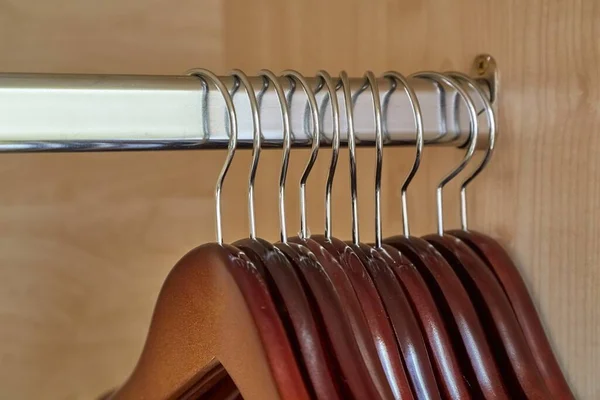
(87, 239)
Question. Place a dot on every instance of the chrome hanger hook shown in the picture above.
(371, 81)
(474, 126)
(345, 82)
(395, 77)
(204, 74)
(241, 77)
(270, 78)
(493, 125)
(316, 141)
(335, 145)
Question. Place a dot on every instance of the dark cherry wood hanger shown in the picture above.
(460, 318)
(215, 307)
(356, 358)
(444, 359)
(285, 286)
(371, 332)
(507, 273)
(494, 310)
(401, 317)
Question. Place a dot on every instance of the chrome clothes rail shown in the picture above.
(72, 113)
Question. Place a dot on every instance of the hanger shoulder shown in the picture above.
(444, 359)
(322, 277)
(403, 321)
(295, 310)
(500, 263)
(213, 307)
(458, 312)
(494, 309)
(371, 324)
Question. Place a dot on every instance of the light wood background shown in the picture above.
(87, 239)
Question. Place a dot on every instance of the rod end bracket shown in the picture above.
(485, 72)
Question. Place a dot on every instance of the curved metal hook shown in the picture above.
(335, 145)
(204, 74)
(270, 77)
(493, 125)
(441, 78)
(345, 82)
(395, 77)
(316, 141)
(371, 81)
(241, 77)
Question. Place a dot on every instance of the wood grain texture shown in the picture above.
(87, 239)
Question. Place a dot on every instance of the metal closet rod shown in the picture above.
(76, 113)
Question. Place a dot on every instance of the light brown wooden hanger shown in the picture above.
(215, 307)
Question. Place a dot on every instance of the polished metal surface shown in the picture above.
(44, 112)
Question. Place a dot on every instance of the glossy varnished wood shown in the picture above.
(460, 317)
(504, 269)
(312, 351)
(498, 320)
(87, 240)
(381, 282)
(215, 306)
(360, 369)
(371, 329)
(451, 380)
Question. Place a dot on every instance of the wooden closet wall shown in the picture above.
(87, 239)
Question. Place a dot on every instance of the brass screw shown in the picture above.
(482, 64)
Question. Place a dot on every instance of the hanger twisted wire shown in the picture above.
(271, 79)
(493, 126)
(205, 74)
(474, 126)
(371, 81)
(241, 77)
(345, 83)
(395, 77)
(325, 80)
(315, 136)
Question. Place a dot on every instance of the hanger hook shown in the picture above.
(316, 141)
(240, 77)
(345, 83)
(493, 126)
(474, 127)
(204, 74)
(325, 79)
(371, 81)
(395, 77)
(270, 78)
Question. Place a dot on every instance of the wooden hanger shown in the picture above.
(491, 304)
(507, 274)
(284, 284)
(215, 307)
(373, 280)
(466, 334)
(403, 321)
(379, 350)
(357, 357)
(444, 358)
(500, 263)
(366, 374)
(460, 319)
(499, 321)
(295, 310)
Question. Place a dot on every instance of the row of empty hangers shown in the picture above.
(445, 316)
